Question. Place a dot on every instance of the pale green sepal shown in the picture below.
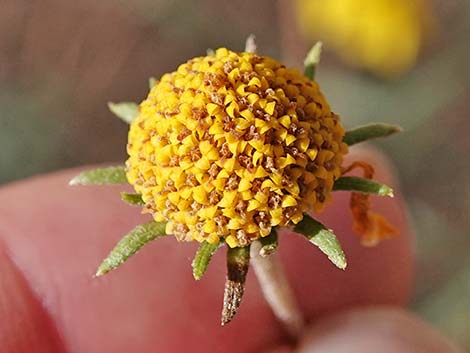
(152, 82)
(132, 199)
(203, 258)
(366, 186)
(130, 244)
(312, 60)
(126, 111)
(101, 176)
(370, 131)
(268, 244)
(323, 238)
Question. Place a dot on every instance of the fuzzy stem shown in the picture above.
(276, 290)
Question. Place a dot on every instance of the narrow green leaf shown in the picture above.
(312, 60)
(126, 111)
(101, 176)
(130, 244)
(268, 244)
(366, 186)
(238, 263)
(323, 238)
(203, 258)
(132, 199)
(370, 131)
(152, 82)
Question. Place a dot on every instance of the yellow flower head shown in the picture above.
(231, 145)
(229, 148)
(382, 36)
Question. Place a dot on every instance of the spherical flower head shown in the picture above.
(231, 145)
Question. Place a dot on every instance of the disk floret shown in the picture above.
(231, 145)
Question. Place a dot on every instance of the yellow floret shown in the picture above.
(231, 145)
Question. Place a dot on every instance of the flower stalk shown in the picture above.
(276, 289)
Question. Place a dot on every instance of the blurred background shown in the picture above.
(399, 61)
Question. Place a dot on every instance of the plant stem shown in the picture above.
(277, 290)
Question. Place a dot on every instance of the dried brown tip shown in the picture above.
(232, 299)
(238, 261)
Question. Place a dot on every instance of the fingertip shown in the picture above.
(25, 326)
(385, 330)
(284, 349)
(58, 234)
(379, 275)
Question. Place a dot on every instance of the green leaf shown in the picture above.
(268, 244)
(132, 199)
(312, 60)
(126, 111)
(238, 263)
(152, 82)
(370, 131)
(366, 186)
(323, 238)
(130, 244)
(203, 258)
(101, 176)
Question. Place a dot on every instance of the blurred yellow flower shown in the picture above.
(381, 36)
(231, 145)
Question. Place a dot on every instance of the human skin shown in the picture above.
(53, 236)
